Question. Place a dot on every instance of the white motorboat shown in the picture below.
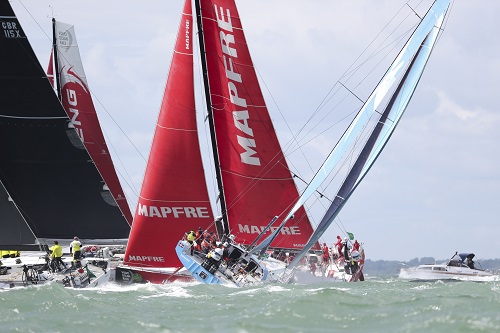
(459, 267)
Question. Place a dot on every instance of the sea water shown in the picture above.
(377, 305)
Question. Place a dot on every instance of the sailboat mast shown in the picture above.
(224, 228)
(54, 52)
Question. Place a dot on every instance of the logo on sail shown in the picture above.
(241, 116)
(71, 92)
(175, 212)
(188, 37)
(65, 39)
(254, 229)
(146, 258)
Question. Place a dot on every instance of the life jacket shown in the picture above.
(191, 236)
(217, 254)
(325, 252)
(56, 251)
(75, 245)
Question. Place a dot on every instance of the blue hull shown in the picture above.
(194, 266)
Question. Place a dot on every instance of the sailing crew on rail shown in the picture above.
(190, 237)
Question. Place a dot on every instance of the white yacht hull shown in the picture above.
(445, 272)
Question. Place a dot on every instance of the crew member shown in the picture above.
(215, 256)
(191, 236)
(326, 254)
(75, 248)
(355, 247)
(339, 245)
(345, 249)
(56, 257)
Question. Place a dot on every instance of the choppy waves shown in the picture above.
(376, 305)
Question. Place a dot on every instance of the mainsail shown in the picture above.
(255, 181)
(77, 101)
(406, 69)
(54, 184)
(15, 231)
(174, 196)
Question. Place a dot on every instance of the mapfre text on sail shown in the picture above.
(246, 140)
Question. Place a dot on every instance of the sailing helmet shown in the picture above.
(75, 238)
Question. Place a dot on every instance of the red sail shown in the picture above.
(174, 197)
(50, 70)
(77, 101)
(257, 182)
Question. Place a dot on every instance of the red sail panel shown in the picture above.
(174, 196)
(77, 101)
(50, 70)
(257, 182)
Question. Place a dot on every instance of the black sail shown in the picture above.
(14, 230)
(52, 180)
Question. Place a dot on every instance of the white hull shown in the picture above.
(445, 272)
(37, 263)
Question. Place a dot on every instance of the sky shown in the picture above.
(435, 188)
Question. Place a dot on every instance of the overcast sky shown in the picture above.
(435, 188)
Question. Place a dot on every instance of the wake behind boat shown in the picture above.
(459, 267)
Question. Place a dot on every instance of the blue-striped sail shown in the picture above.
(410, 64)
